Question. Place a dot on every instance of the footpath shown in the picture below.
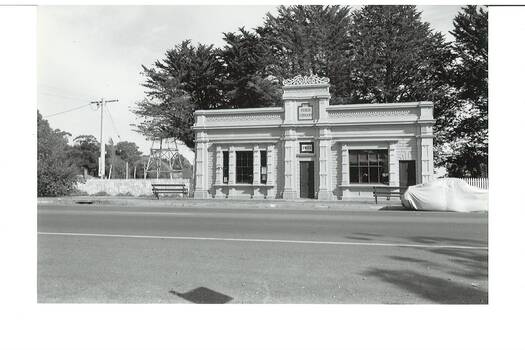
(355, 204)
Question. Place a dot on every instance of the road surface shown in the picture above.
(111, 254)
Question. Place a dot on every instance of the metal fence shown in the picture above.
(481, 182)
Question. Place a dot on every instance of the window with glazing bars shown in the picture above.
(369, 166)
(244, 167)
(225, 166)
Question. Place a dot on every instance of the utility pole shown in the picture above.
(102, 159)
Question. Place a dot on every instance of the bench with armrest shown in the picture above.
(168, 189)
(388, 191)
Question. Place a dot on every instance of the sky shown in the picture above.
(89, 52)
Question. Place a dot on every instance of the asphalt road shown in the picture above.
(110, 254)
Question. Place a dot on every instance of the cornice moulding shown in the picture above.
(379, 106)
(226, 112)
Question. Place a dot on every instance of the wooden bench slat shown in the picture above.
(169, 188)
(388, 192)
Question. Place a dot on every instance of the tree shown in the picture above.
(308, 39)
(55, 173)
(128, 151)
(118, 155)
(246, 81)
(188, 78)
(396, 57)
(85, 153)
(467, 153)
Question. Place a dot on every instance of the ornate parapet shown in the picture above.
(306, 88)
(300, 80)
(227, 118)
(384, 112)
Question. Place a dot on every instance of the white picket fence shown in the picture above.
(481, 182)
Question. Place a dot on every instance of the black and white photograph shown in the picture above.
(311, 154)
(313, 175)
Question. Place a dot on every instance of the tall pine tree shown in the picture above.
(307, 39)
(188, 78)
(246, 81)
(396, 57)
(466, 154)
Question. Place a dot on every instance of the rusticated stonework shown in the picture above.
(351, 114)
(306, 80)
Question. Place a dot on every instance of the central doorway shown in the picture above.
(306, 179)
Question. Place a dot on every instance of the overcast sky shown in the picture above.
(85, 53)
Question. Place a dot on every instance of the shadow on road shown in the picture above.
(203, 295)
(474, 264)
(468, 264)
(448, 241)
(395, 208)
(431, 288)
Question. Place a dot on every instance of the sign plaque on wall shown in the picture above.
(305, 112)
(307, 147)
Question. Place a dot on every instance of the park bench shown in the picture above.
(169, 189)
(388, 191)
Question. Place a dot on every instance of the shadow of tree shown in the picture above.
(203, 295)
(474, 262)
(468, 264)
(431, 288)
(395, 208)
(366, 234)
(359, 238)
(448, 241)
(425, 263)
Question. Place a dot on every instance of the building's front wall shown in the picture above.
(403, 131)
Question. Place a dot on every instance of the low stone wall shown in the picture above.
(133, 187)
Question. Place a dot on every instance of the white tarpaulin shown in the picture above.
(448, 194)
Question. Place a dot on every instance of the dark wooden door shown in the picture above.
(407, 173)
(306, 178)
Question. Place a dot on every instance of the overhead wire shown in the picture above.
(113, 122)
(62, 96)
(69, 110)
(62, 92)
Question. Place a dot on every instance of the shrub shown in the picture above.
(127, 194)
(56, 176)
(101, 193)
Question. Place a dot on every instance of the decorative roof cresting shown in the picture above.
(306, 80)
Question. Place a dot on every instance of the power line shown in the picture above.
(63, 92)
(63, 96)
(102, 159)
(113, 122)
(69, 110)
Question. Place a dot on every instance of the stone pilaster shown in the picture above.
(393, 165)
(323, 114)
(290, 151)
(201, 166)
(218, 165)
(345, 166)
(345, 173)
(232, 165)
(426, 153)
(256, 165)
(258, 192)
(270, 174)
(425, 143)
(325, 178)
(220, 190)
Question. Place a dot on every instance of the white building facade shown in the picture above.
(309, 149)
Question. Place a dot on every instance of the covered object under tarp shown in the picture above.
(448, 194)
